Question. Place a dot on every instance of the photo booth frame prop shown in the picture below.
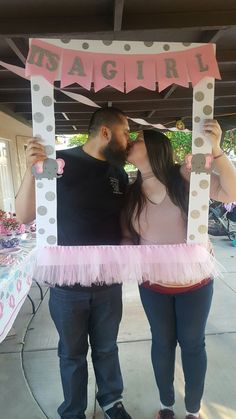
(44, 122)
(164, 63)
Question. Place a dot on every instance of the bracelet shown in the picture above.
(219, 155)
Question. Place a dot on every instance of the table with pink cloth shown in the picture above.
(16, 272)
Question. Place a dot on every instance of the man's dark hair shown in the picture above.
(104, 116)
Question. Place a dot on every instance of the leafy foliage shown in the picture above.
(78, 139)
(229, 143)
(181, 143)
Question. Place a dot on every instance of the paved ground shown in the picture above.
(29, 376)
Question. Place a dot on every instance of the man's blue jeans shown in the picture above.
(78, 315)
(179, 318)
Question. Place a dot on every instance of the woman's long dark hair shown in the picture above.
(160, 154)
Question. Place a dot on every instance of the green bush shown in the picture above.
(181, 143)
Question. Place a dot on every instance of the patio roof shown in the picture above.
(163, 20)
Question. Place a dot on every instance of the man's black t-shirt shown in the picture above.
(90, 196)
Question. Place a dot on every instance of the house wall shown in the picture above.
(16, 133)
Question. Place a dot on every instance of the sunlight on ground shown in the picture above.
(217, 411)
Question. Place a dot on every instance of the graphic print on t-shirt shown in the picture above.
(115, 185)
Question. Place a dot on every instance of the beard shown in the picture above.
(114, 153)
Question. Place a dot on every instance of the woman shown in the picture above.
(156, 213)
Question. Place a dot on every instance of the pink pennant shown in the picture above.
(201, 63)
(140, 71)
(43, 60)
(77, 67)
(109, 71)
(171, 69)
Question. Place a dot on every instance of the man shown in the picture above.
(89, 202)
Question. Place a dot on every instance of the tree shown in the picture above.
(78, 139)
(181, 143)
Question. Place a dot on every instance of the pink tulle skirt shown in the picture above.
(168, 265)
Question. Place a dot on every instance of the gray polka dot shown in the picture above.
(194, 193)
(41, 231)
(52, 220)
(47, 101)
(51, 240)
(186, 44)
(209, 85)
(38, 117)
(50, 196)
(40, 185)
(204, 184)
(42, 210)
(207, 110)
(199, 96)
(65, 40)
(36, 87)
(107, 42)
(195, 214)
(49, 128)
(204, 207)
(166, 47)
(85, 45)
(127, 47)
(192, 237)
(49, 150)
(202, 229)
(197, 119)
(148, 43)
(198, 142)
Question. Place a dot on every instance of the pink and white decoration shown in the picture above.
(136, 64)
(124, 71)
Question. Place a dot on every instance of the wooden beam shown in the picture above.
(180, 19)
(169, 92)
(118, 14)
(13, 45)
(211, 36)
(227, 56)
(48, 26)
(142, 26)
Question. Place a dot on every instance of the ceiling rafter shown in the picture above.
(17, 50)
(118, 14)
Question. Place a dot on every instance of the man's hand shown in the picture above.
(34, 152)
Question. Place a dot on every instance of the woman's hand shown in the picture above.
(213, 132)
(34, 152)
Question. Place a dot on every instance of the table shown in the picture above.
(15, 283)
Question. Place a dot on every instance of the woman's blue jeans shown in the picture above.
(78, 315)
(179, 318)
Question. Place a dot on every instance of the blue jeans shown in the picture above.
(179, 318)
(78, 315)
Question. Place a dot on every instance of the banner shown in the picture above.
(124, 72)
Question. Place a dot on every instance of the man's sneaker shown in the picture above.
(117, 412)
(165, 414)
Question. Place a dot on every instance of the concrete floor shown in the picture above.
(29, 376)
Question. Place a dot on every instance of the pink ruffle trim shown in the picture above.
(170, 265)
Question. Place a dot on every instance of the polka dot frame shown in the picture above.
(43, 125)
(43, 117)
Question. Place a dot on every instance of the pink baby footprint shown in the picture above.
(1, 309)
(29, 280)
(12, 301)
(19, 285)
